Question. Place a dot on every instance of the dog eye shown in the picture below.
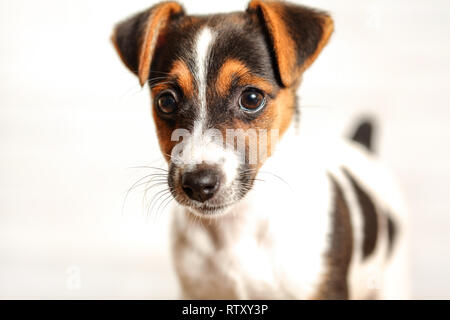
(167, 103)
(252, 100)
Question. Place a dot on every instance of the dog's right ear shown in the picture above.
(297, 35)
(136, 38)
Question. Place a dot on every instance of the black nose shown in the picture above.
(201, 185)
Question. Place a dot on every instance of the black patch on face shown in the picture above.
(178, 44)
(179, 40)
(242, 39)
(335, 285)
(369, 215)
(237, 36)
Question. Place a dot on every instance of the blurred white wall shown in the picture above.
(73, 121)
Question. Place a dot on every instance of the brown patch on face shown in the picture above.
(184, 77)
(283, 109)
(234, 69)
(155, 23)
(159, 87)
(277, 115)
(334, 285)
(179, 73)
(164, 133)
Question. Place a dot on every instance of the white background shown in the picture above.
(73, 121)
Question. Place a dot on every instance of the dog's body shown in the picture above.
(309, 219)
(302, 237)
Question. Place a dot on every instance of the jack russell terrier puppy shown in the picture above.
(263, 212)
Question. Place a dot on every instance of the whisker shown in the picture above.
(163, 203)
(266, 172)
(158, 177)
(153, 178)
(134, 186)
(148, 167)
(169, 155)
(151, 187)
(159, 82)
(157, 78)
(278, 177)
(135, 88)
(159, 182)
(148, 204)
(157, 199)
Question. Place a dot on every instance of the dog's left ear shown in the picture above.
(297, 34)
(136, 38)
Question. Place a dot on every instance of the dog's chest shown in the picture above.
(228, 264)
(272, 246)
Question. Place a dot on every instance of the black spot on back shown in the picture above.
(392, 233)
(364, 134)
(335, 285)
(369, 215)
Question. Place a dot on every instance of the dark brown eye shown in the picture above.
(167, 103)
(252, 100)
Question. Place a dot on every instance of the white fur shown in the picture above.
(272, 243)
(197, 148)
(202, 51)
(201, 145)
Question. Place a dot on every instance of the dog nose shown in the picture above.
(202, 184)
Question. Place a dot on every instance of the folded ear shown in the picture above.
(136, 38)
(297, 34)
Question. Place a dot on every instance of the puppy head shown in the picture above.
(223, 89)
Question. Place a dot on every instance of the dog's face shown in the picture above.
(223, 89)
